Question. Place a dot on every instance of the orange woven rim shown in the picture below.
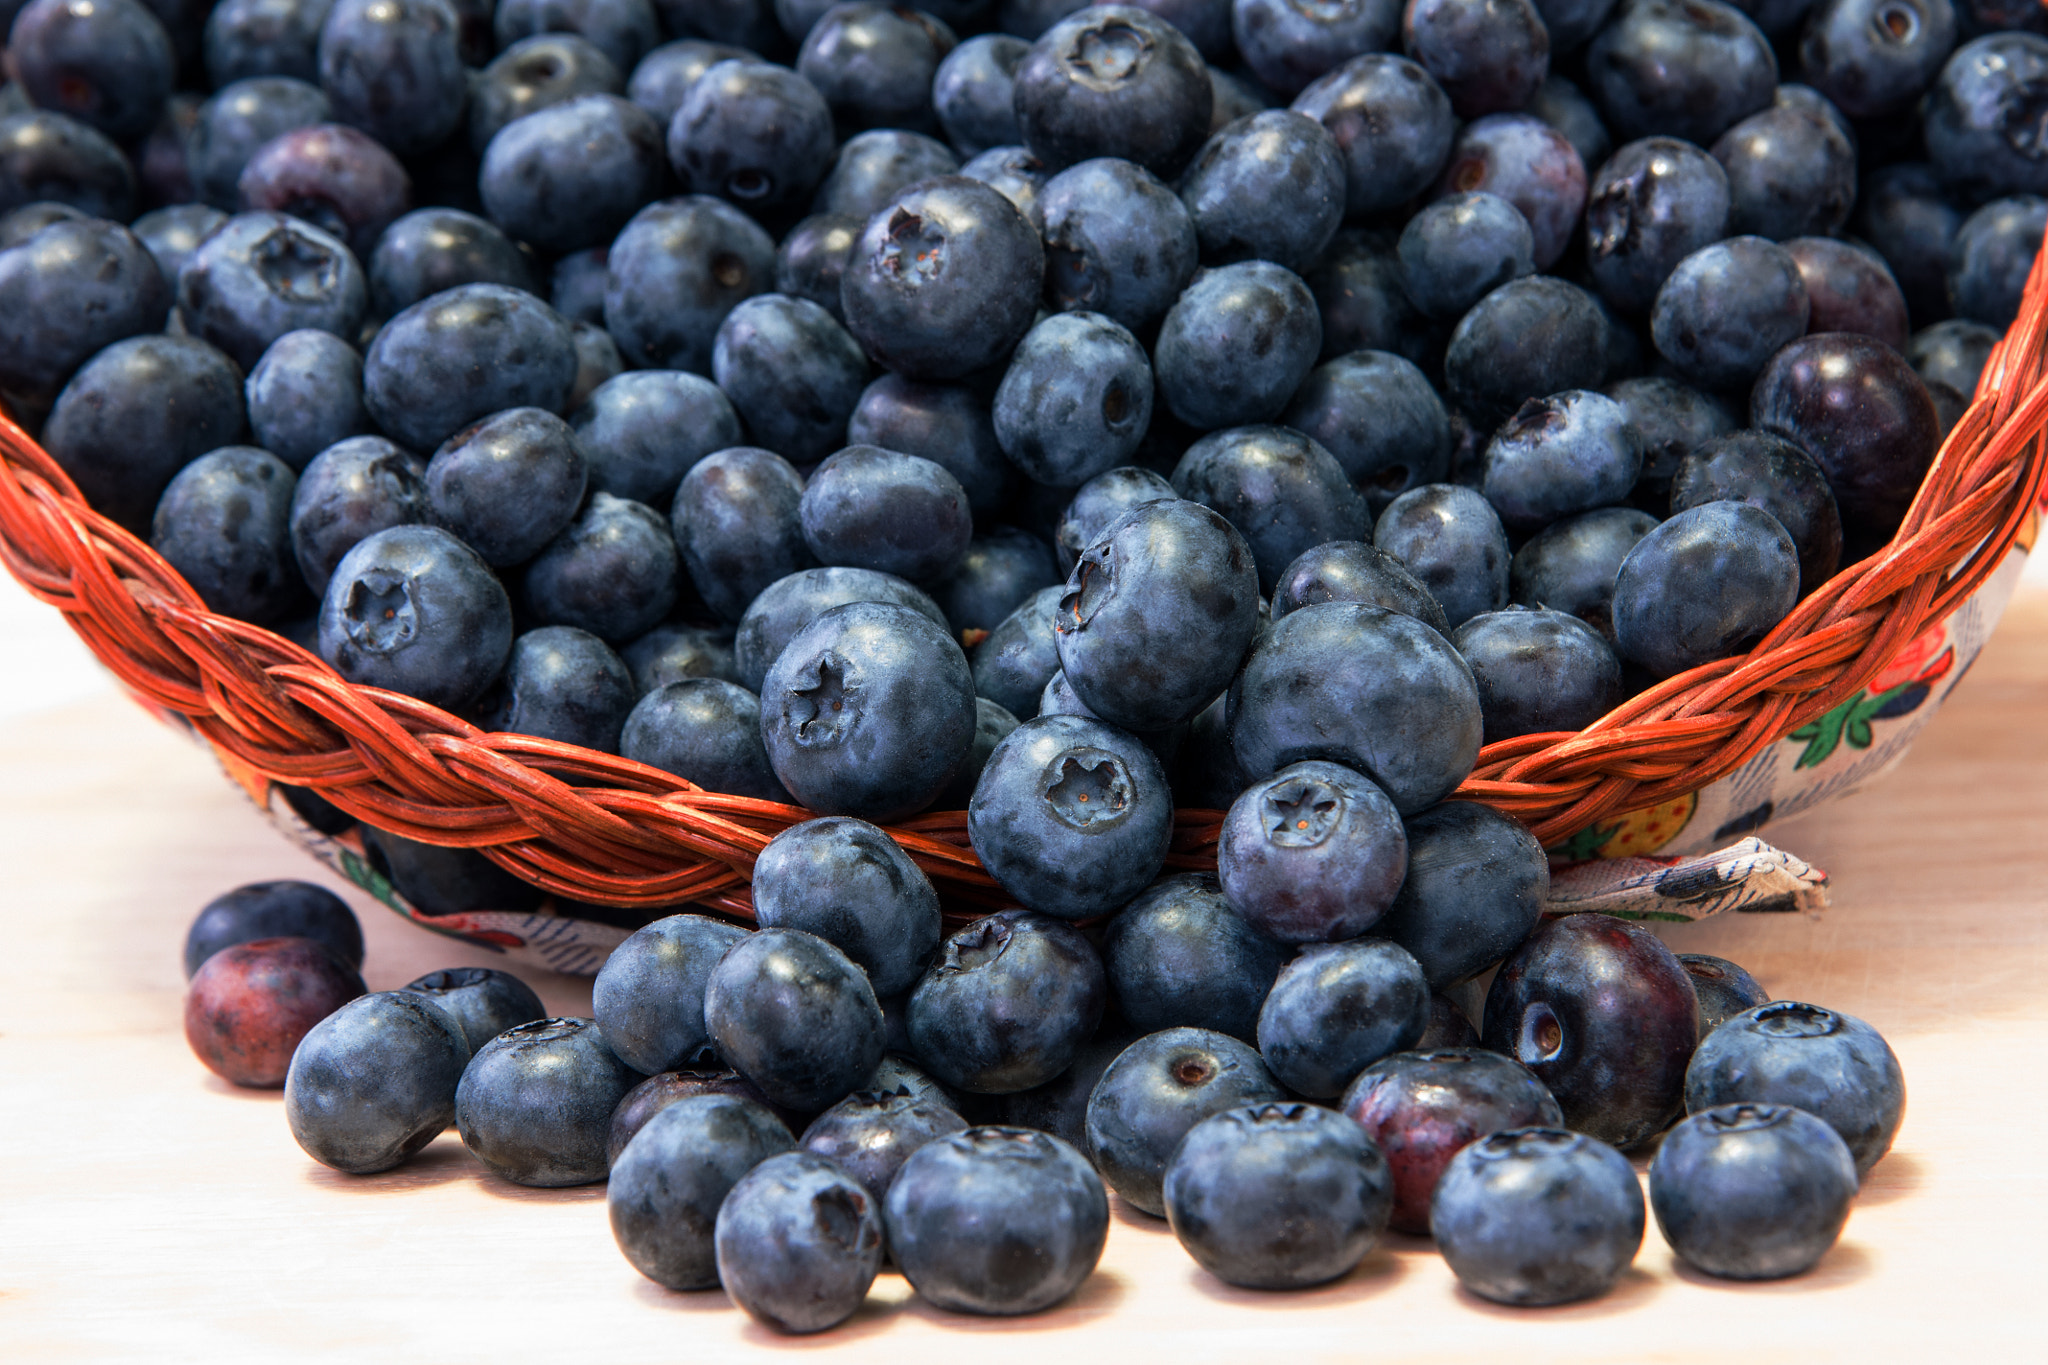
(598, 828)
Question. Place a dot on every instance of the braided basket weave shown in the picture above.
(600, 829)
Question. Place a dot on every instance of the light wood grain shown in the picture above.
(149, 1212)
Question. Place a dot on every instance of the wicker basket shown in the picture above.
(601, 830)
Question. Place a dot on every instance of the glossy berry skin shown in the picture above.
(1282, 492)
(1380, 417)
(47, 157)
(107, 63)
(1539, 671)
(394, 70)
(852, 885)
(68, 291)
(1118, 242)
(674, 272)
(274, 910)
(612, 571)
(706, 731)
(412, 609)
(671, 653)
(508, 484)
(736, 523)
(571, 175)
(1791, 173)
(1703, 585)
(1277, 1196)
(622, 29)
(661, 80)
(1652, 204)
(1353, 571)
(1474, 890)
(1856, 406)
(1873, 59)
(563, 684)
(535, 1102)
(1392, 123)
(350, 491)
(1571, 565)
(1462, 247)
(224, 524)
(658, 1092)
(1752, 1191)
(1158, 1089)
(1726, 309)
(1571, 452)
(874, 65)
(1179, 956)
(483, 1002)
(1157, 614)
(1833, 1066)
(1536, 1216)
(649, 994)
(1529, 338)
(1530, 164)
(1680, 69)
(1605, 1017)
(1269, 187)
(1337, 1009)
(1488, 55)
(538, 73)
(1451, 540)
(1019, 657)
(1724, 989)
(876, 509)
(1041, 1194)
(336, 178)
(668, 1184)
(1770, 473)
(374, 1082)
(248, 1005)
(876, 166)
(1098, 503)
(1976, 146)
(1288, 46)
(871, 1133)
(811, 260)
(756, 135)
(1903, 212)
(948, 424)
(433, 249)
(641, 432)
(1851, 289)
(172, 234)
(798, 1242)
(1422, 1108)
(1075, 400)
(1313, 854)
(1992, 255)
(789, 604)
(262, 275)
(1007, 1004)
(462, 355)
(1236, 345)
(1013, 172)
(1113, 80)
(795, 1016)
(306, 394)
(973, 92)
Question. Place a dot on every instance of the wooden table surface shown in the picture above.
(150, 1212)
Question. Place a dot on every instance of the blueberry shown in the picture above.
(563, 684)
(999, 572)
(1337, 1009)
(874, 167)
(649, 994)
(891, 513)
(870, 1134)
(1474, 891)
(1014, 664)
(1680, 68)
(668, 1183)
(483, 1003)
(612, 571)
(134, 414)
(1378, 415)
(1451, 540)
(1287, 46)
(1071, 816)
(1655, 202)
(1114, 81)
(1953, 353)
(1535, 1216)
(576, 285)
(1352, 571)
(1312, 854)
(1724, 989)
(992, 725)
(348, 492)
(671, 653)
(1539, 671)
(1157, 1090)
(1364, 306)
(658, 1092)
(445, 881)
(1008, 1003)
(237, 122)
(305, 395)
(1606, 1018)
(172, 234)
(736, 522)
(811, 260)
(1489, 56)
(393, 69)
(1705, 585)
(412, 609)
(1672, 420)
(1903, 213)
(874, 65)
(431, 250)
(1563, 105)
(47, 157)
(1531, 337)
(1236, 345)
(263, 275)
(274, 910)
(789, 604)
(250, 1004)
(537, 73)
(1422, 1108)
(1179, 956)
(798, 1242)
(972, 92)
(108, 63)
(849, 883)
(249, 38)
(597, 362)
(1831, 1065)
(662, 79)
(1571, 452)
(642, 432)
(756, 134)
(334, 177)
(1990, 260)
(224, 524)
(795, 1016)
(1392, 123)
(1098, 503)
(569, 176)
(707, 731)
(507, 484)
(374, 1082)
(1770, 473)
(1791, 173)
(1726, 308)
(1530, 164)
(462, 355)
(676, 270)
(1978, 140)
(1268, 187)
(1752, 1191)
(1075, 400)
(1014, 173)
(1118, 242)
(792, 372)
(944, 281)
(1461, 248)
(950, 425)
(70, 290)
(1282, 492)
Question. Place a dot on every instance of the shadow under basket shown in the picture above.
(1825, 703)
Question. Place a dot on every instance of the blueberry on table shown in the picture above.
(564, 684)
(737, 523)
(1770, 473)
(1113, 80)
(108, 63)
(375, 1081)
(1726, 309)
(274, 910)
(876, 166)
(1752, 1191)
(674, 272)
(1236, 345)
(1422, 1108)
(659, 1091)
(874, 64)
(1007, 1004)
(1288, 46)
(851, 884)
(1538, 1216)
(249, 1004)
(1831, 1065)
(798, 1242)
(789, 604)
(1154, 1092)
(1474, 890)
(996, 1221)
(1605, 1016)
(1076, 399)
(1539, 671)
(463, 354)
(412, 609)
(45, 157)
(1277, 1196)
(612, 571)
(1976, 150)
(263, 275)
(1281, 491)
(571, 175)
(1353, 571)
(795, 1016)
(1570, 565)
(973, 92)
(67, 291)
(1531, 337)
(224, 523)
(1724, 989)
(483, 1002)
(393, 68)
(349, 492)
(1312, 854)
(1392, 123)
(1680, 68)
(535, 1103)
(642, 431)
(1179, 956)
(1337, 1009)
(305, 395)
(667, 1185)
(870, 1134)
(538, 73)
(1652, 204)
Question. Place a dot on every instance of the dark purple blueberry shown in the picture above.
(1791, 173)
(876, 509)
(393, 69)
(1727, 308)
(1539, 671)
(1530, 164)
(1568, 453)
(1874, 57)
(1378, 415)
(658, 1092)
(1288, 45)
(1000, 572)
(1851, 289)
(1606, 1018)
(481, 1001)
(1672, 420)
(1655, 202)
(1236, 345)
(1312, 854)
(1724, 989)
(1337, 1009)
(1474, 891)
(789, 604)
(870, 1134)
(949, 425)
(465, 354)
(263, 275)
(507, 484)
(348, 492)
(274, 910)
(797, 1242)
(1462, 247)
(622, 29)
(1529, 338)
(1113, 80)
(107, 63)
(972, 92)
(850, 884)
(649, 994)
(1159, 611)
(1014, 173)
(1158, 1089)
(1008, 1004)
(1118, 242)
(1270, 187)
(251, 38)
(1392, 123)
(569, 176)
(1680, 68)
(224, 524)
(305, 395)
(707, 731)
(331, 176)
(1771, 473)
(676, 270)
(668, 1183)
(1049, 1206)
(445, 881)
(795, 1016)
(812, 258)
(1489, 56)
(1353, 571)
(249, 1004)
(1705, 585)
(1179, 956)
(239, 120)
(1752, 1191)
(1903, 213)
(1422, 1108)
(536, 73)
(874, 64)
(1538, 1216)
(67, 291)
(374, 1082)
(46, 157)
(136, 413)
(1450, 538)
(874, 167)
(563, 684)
(671, 653)
(412, 609)
(736, 523)
(1570, 566)
(758, 135)
(1990, 260)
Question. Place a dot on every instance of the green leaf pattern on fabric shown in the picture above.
(1848, 723)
